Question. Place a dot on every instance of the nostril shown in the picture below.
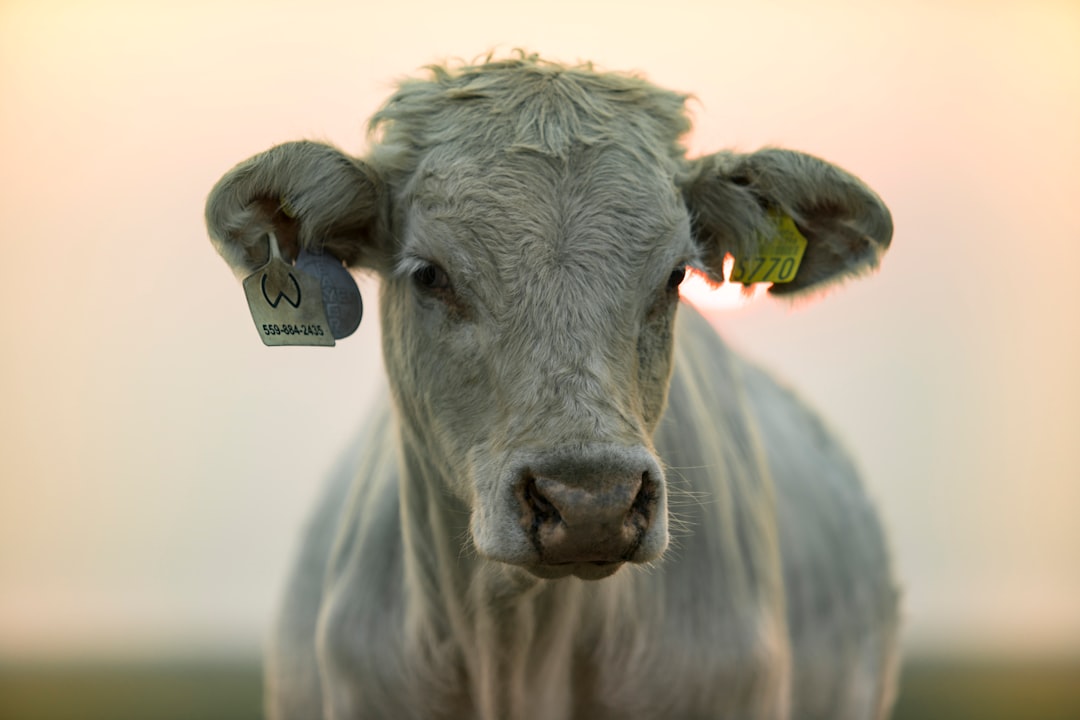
(542, 508)
(645, 498)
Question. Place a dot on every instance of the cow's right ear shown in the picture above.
(312, 196)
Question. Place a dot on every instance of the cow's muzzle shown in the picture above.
(589, 510)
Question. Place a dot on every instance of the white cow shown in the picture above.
(577, 502)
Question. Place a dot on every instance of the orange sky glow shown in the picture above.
(702, 294)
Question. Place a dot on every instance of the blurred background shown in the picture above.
(156, 461)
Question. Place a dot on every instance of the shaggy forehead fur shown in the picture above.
(526, 104)
(534, 174)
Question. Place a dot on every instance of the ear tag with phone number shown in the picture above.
(288, 303)
(776, 258)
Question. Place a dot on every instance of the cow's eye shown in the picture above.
(431, 277)
(676, 277)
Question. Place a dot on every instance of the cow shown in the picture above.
(575, 501)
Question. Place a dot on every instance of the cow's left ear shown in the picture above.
(735, 200)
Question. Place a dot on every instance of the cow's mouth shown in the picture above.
(597, 570)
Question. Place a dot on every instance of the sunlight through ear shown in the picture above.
(699, 292)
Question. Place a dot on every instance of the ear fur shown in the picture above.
(847, 226)
(311, 195)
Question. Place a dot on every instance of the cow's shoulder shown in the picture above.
(829, 528)
(341, 617)
(840, 592)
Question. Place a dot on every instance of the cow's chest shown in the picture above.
(545, 670)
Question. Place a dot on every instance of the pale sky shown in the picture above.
(156, 460)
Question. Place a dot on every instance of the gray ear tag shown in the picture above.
(340, 296)
(286, 303)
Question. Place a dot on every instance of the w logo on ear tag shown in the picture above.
(274, 303)
(287, 306)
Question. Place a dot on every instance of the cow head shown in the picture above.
(531, 225)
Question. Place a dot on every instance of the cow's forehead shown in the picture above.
(601, 207)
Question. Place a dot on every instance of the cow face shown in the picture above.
(531, 225)
(539, 295)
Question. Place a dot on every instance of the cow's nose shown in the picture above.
(594, 508)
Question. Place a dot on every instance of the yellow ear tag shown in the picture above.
(776, 259)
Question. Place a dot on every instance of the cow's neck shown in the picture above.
(509, 633)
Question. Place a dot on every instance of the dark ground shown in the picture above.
(930, 690)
